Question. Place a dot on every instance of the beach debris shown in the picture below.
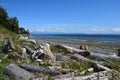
(8, 45)
(48, 52)
(18, 73)
(29, 50)
(23, 36)
(61, 57)
(33, 68)
(31, 41)
(24, 53)
(40, 52)
(84, 47)
(103, 56)
(103, 75)
(39, 69)
(15, 56)
(62, 76)
(119, 52)
(95, 65)
(75, 50)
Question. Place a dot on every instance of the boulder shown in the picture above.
(18, 73)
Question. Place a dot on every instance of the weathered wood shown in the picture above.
(61, 57)
(24, 53)
(75, 50)
(11, 43)
(95, 65)
(18, 73)
(33, 68)
(62, 76)
(103, 56)
(31, 41)
(118, 52)
(29, 50)
(15, 56)
(8, 45)
(48, 52)
(103, 75)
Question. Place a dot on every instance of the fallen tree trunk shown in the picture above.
(29, 50)
(103, 75)
(33, 68)
(48, 52)
(11, 43)
(104, 57)
(95, 65)
(18, 73)
(75, 50)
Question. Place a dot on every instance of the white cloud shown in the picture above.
(56, 29)
(98, 30)
(59, 29)
(116, 29)
(40, 30)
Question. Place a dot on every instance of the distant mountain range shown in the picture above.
(74, 33)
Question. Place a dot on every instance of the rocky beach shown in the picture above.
(59, 40)
(52, 59)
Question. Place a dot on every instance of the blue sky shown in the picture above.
(68, 16)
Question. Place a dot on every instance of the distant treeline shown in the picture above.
(10, 23)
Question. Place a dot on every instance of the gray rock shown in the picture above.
(18, 73)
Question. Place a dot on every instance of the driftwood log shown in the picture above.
(8, 45)
(103, 56)
(29, 50)
(18, 73)
(11, 43)
(95, 65)
(33, 68)
(41, 51)
(103, 75)
(75, 50)
(48, 52)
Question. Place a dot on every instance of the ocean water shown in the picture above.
(105, 39)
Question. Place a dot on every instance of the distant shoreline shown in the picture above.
(107, 48)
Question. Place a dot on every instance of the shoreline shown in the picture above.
(96, 48)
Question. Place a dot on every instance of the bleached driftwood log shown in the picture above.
(11, 43)
(32, 41)
(29, 50)
(104, 57)
(33, 68)
(42, 49)
(96, 66)
(103, 75)
(48, 52)
(18, 73)
(8, 45)
(75, 50)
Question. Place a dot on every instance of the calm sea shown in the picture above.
(107, 39)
